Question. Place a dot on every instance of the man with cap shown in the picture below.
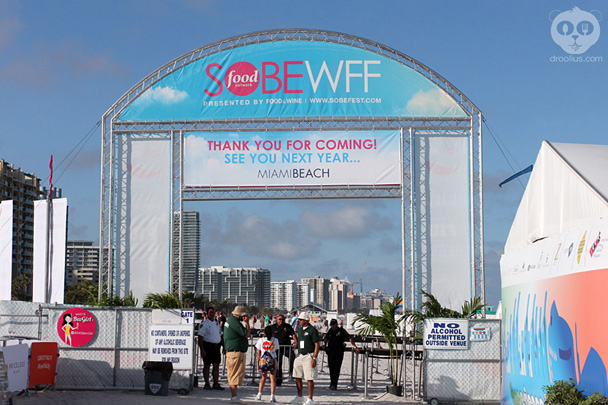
(236, 345)
(210, 340)
(334, 341)
(305, 365)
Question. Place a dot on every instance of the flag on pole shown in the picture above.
(51, 177)
(399, 305)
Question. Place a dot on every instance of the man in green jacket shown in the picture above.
(236, 345)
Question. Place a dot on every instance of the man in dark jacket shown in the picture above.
(284, 333)
(334, 341)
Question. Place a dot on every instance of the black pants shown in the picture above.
(285, 352)
(334, 361)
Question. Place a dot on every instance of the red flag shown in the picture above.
(51, 177)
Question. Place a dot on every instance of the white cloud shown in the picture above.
(264, 237)
(164, 95)
(434, 102)
(346, 223)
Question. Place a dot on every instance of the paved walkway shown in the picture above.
(284, 394)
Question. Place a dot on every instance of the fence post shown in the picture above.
(365, 373)
(116, 345)
(39, 322)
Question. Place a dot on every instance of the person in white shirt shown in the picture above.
(210, 340)
(267, 352)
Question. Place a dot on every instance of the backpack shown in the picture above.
(266, 362)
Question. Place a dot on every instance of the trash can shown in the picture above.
(158, 375)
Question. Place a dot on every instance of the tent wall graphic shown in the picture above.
(554, 270)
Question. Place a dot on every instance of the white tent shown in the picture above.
(567, 189)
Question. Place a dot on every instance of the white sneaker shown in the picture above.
(258, 397)
(297, 400)
(236, 400)
(273, 399)
(309, 401)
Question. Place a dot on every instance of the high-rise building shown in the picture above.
(81, 262)
(209, 283)
(245, 286)
(353, 301)
(23, 188)
(303, 295)
(283, 295)
(338, 290)
(375, 298)
(319, 290)
(191, 239)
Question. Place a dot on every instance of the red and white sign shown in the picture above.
(76, 327)
(43, 363)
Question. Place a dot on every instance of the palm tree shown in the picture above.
(388, 327)
(162, 301)
(431, 308)
(116, 301)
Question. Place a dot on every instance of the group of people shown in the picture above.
(271, 350)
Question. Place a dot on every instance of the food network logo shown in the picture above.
(575, 31)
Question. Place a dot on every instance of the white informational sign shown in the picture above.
(173, 343)
(17, 364)
(479, 334)
(446, 334)
(6, 249)
(187, 316)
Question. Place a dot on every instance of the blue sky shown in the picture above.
(62, 65)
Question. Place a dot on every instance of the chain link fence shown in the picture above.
(465, 376)
(113, 358)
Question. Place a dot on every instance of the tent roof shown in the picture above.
(567, 189)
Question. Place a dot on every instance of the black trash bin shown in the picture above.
(158, 375)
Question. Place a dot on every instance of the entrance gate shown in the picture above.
(299, 85)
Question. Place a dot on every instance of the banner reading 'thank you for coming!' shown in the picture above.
(303, 158)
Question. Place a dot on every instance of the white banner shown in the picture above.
(142, 263)
(445, 244)
(16, 359)
(6, 249)
(57, 247)
(173, 343)
(576, 251)
(446, 334)
(40, 282)
(302, 158)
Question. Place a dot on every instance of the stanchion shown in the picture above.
(353, 377)
(365, 373)
(253, 363)
(322, 360)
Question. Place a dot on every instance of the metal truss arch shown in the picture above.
(290, 35)
(112, 223)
